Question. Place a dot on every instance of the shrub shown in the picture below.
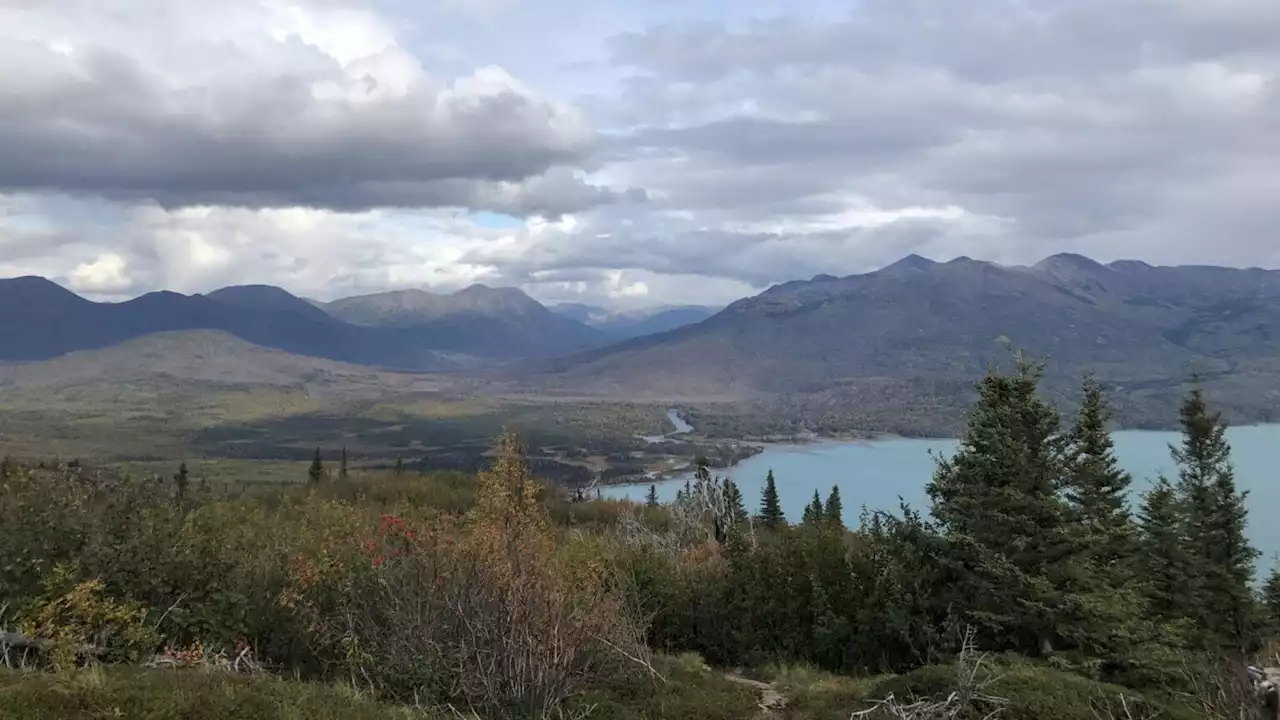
(491, 613)
(80, 623)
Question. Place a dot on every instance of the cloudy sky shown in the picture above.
(625, 152)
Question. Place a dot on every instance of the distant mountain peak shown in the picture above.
(1129, 265)
(34, 286)
(910, 263)
(1071, 260)
(266, 297)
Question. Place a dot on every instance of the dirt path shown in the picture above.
(770, 700)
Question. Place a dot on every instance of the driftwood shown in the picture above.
(18, 641)
(16, 648)
(16, 644)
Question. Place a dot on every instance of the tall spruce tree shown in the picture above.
(1163, 564)
(736, 506)
(651, 499)
(833, 511)
(1097, 490)
(997, 502)
(771, 515)
(316, 472)
(813, 511)
(181, 481)
(1221, 558)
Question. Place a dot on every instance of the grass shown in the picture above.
(818, 695)
(136, 694)
(693, 692)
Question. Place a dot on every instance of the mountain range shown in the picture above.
(916, 333)
(411, 330)
(1143, 330)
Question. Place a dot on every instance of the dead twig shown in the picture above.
(175, 604)
(972, 678)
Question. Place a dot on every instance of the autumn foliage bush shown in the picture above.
(490, 610)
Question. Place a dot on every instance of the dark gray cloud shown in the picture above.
(290, 124)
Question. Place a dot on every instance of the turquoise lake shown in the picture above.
(876, 473)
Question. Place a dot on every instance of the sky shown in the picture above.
(625, 153)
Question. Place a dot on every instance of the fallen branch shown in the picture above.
(639, 661)
(18, 641)
(181, 597)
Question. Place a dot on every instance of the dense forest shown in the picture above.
(1030, 588)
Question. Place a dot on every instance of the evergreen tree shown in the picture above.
(996, 501)
(181, 482)
(833, 511)
(1221, 558)
(1096, 492)
(399, 469)
(316, 471)
(1271, 599)
(770, 507)
(651, 499)
(702, 470)
(813, 511)
(1163, 564)
(737, 509)
(342, 465)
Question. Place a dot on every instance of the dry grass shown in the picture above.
(137, 694)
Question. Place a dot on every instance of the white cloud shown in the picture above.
(107, 275)
(270, 104)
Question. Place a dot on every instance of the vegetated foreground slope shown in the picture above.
(930, 326)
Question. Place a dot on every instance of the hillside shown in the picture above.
(1142, 329)
(151, 396)
(41, 320)
(502, 323)
(197, 356)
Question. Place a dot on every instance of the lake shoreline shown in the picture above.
(663, 476)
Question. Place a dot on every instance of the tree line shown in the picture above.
(1029, 541)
